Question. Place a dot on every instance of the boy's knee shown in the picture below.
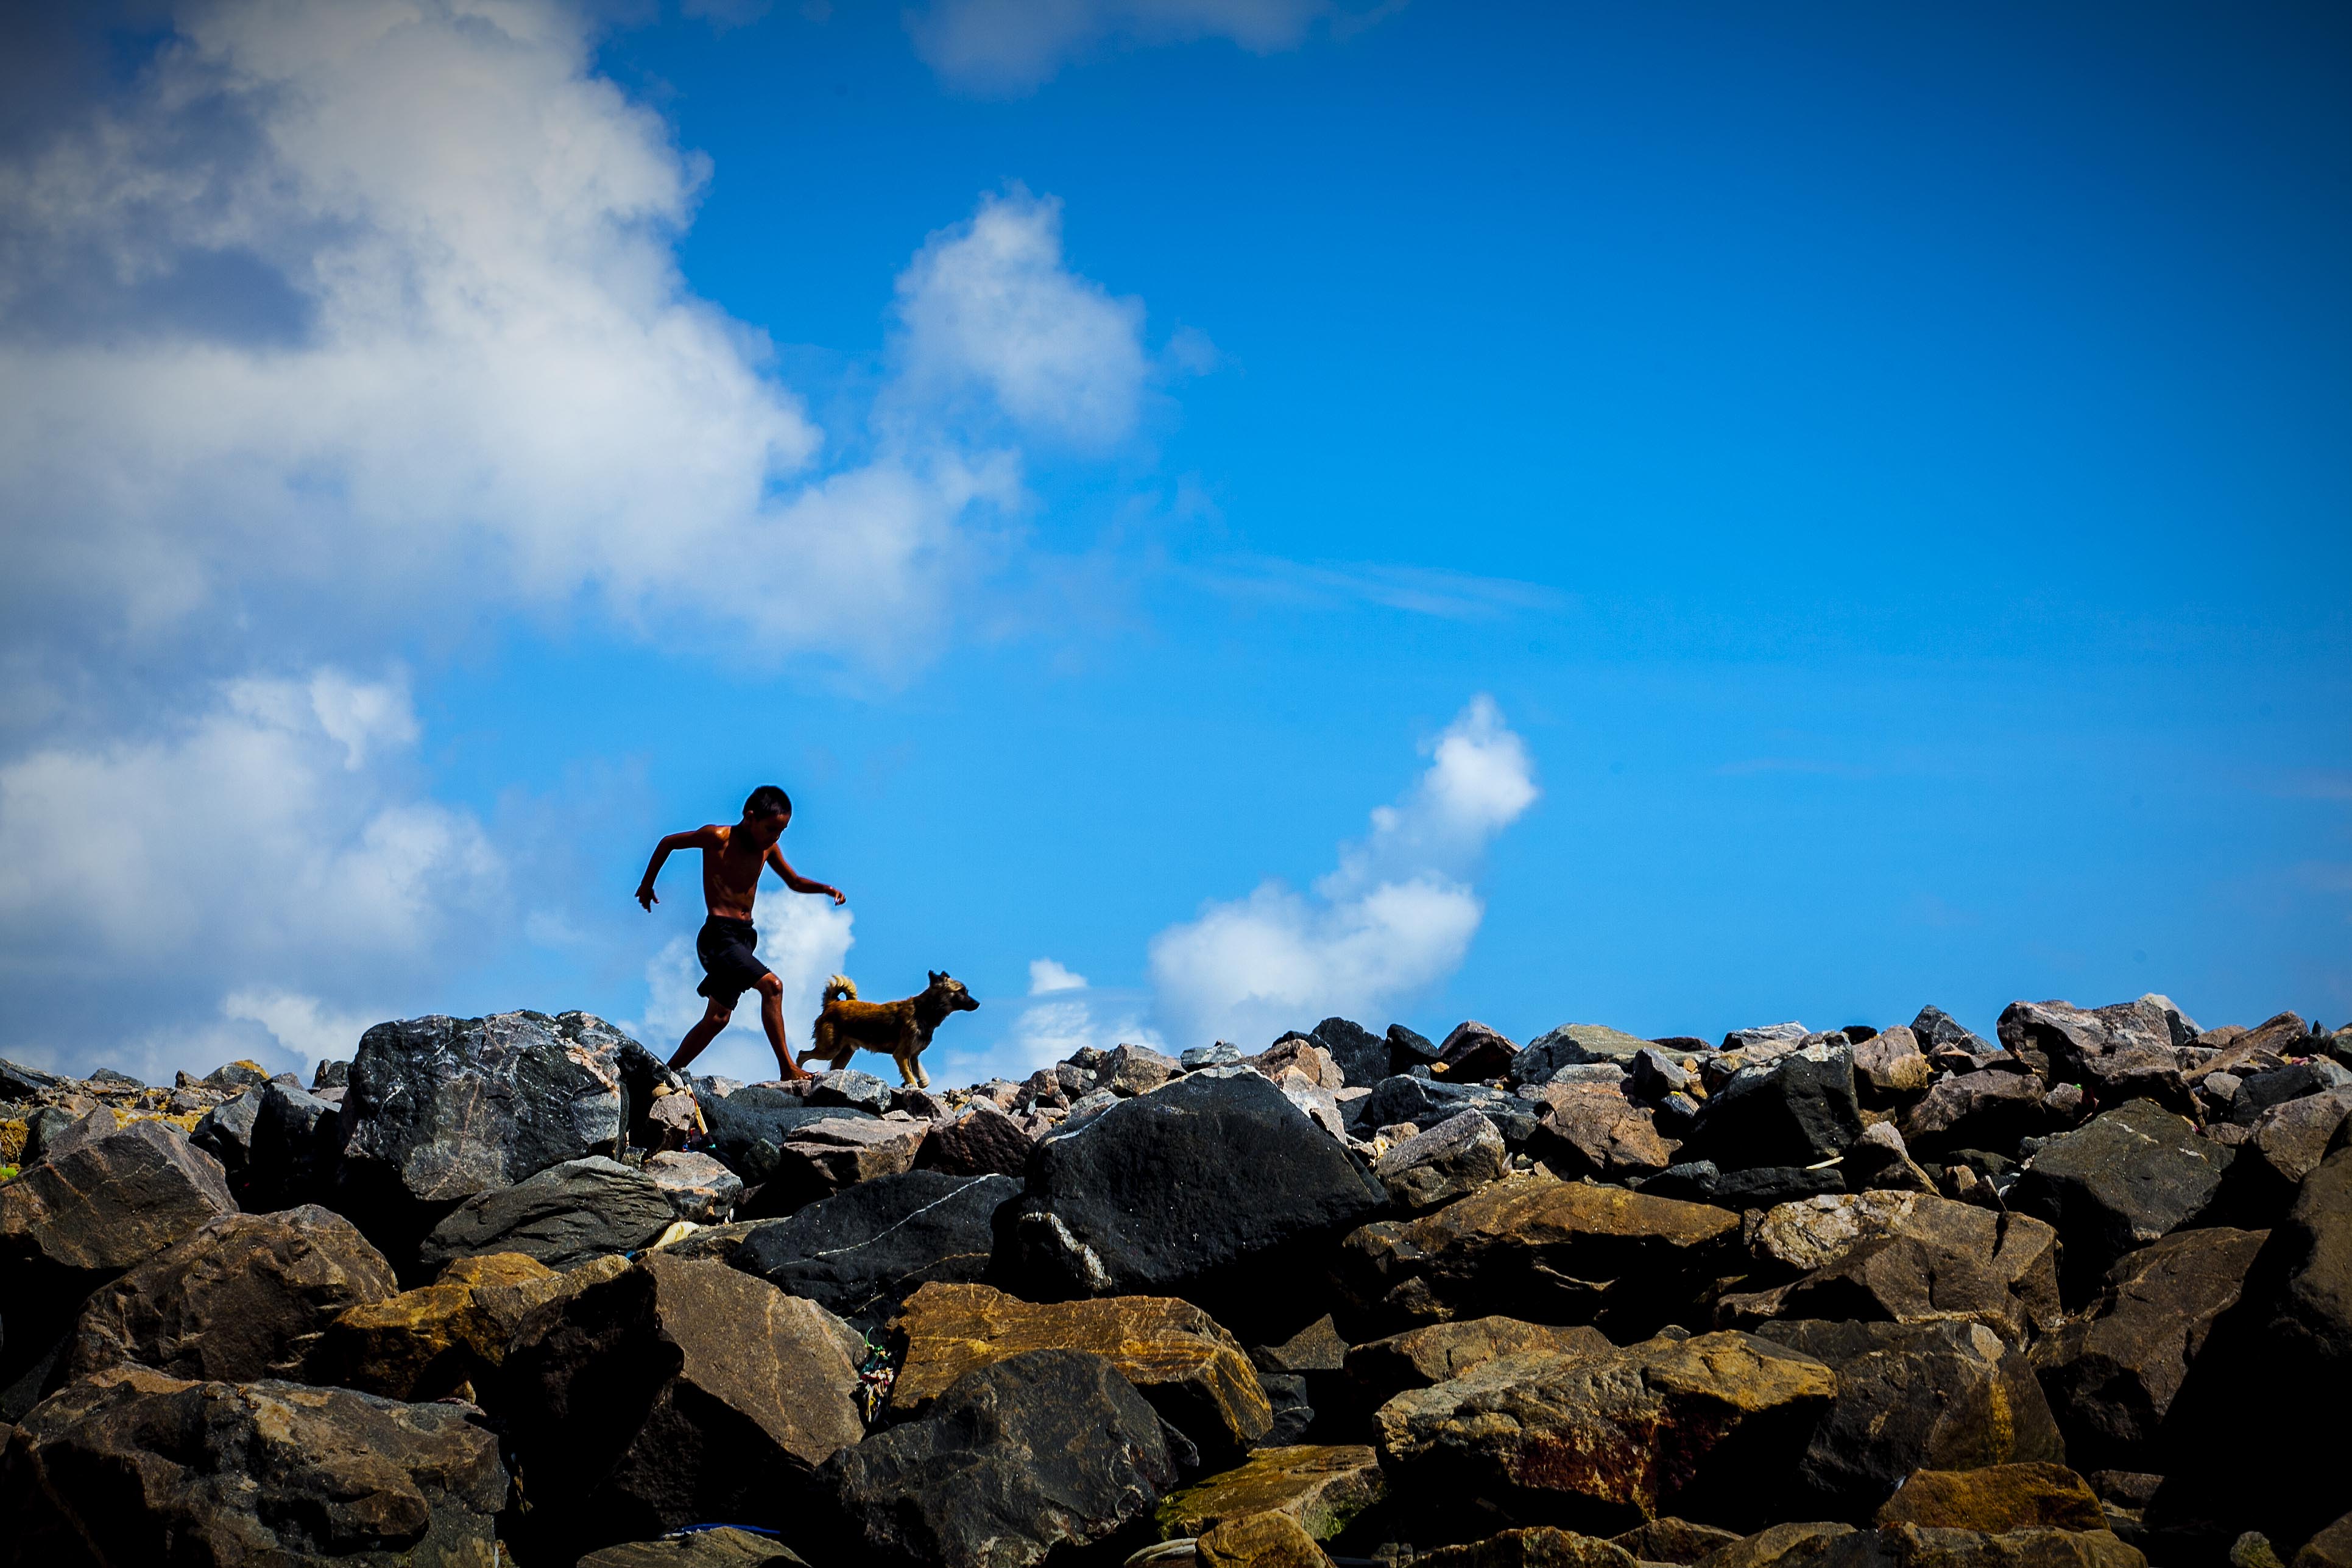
(771, 987)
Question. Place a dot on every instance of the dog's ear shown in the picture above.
(935, 975)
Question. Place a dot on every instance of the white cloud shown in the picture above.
(1045, 976)
(989, 305)
(1394, 916)
(1009, 45)
(1049, 1032)
(341, 305)
(805, 939)
(303, 1026)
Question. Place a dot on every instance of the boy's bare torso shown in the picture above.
(731, 872)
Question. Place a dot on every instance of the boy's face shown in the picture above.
(766, 830)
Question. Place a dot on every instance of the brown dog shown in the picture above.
(902, 1029)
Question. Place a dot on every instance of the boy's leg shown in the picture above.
(771, 1014)
(714, 1018)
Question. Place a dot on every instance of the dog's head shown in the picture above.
(950, 990)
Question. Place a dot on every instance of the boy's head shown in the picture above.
(767, 811)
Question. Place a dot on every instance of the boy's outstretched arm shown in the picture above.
(799, 884)
(696, 838)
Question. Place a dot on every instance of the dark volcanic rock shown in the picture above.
(1795, 1109)
(1407, 1049)
(1193, 1372)
(750, 1126)
(676, 1392)
(862, 1252)
(1910, 1397)
(1988, 1109)
(564, 1215)
(726, 1547)
(1934, 1027)
(979, 1141)
(1710, 1428)
(1425, 1102)
(824, 1157)
(1215, 1189)
(2279, 1362)
(427, 1342)
(1419, 1357)
(2119, 1182)
(1363, 1057)
(1701, 1181)
(441, 1108)
(132, 1466)
(700, 1188)
(277, 1143)
(2112, 1373)
(2123, 1052)
(242, 1299)
(1044, 1448)
(1563, 1251)
(1473, 1052)
(1574, 1045)
(2285, 1146)
(96, 1204)
(1537, 1546)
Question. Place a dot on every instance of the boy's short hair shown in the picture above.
(768, 801)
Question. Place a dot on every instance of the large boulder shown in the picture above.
(1044, 1450)
(1574, 1045)
(1794, 1110)
(447, 1336)
(699, 1187)
(2284, 1144)
(276, 1142)
(1996, 1499)
(2279, 1362)
(1193, 1372)
(440, 1109)
(1591, 1129)
(979, 1139)
(1538, 1248)
(1322, 1486)
(564, 1215)
(95, 1204)
(750, 1127)
(1215, 1189)
(1363, 1057)
(1992, 1108)
(676, 1391)
(130, 1466)
(243, 1298)
(862, 1252)
(1709, 1427)
(1449, 1160)
(2118, 1053)
(1902, 1257)
(831, 1156)
(2123, 1179)
(2111, 1375)
(1944, 1396)
(1889, 1067)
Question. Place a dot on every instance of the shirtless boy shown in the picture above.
(731, 861)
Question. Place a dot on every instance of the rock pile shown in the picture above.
(505, 1289)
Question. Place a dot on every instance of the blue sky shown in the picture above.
(1794, 514)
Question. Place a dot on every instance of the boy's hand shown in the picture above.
(646, 896)
(839, 898)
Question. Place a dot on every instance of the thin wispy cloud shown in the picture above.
(1007, 47)
(1416, 590)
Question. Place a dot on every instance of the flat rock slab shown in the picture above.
(1322, 1486)
(130, 1466)
(1714, 1425)
(564, 1215)
(674, 1392)
(860, 1253)
(722, 1548)
(1042, 1449)
(1996, 1499)
(2122, 1180)
(1382, 1369)
(244, 1298)
(1912, 1396)
(1193, 1372)
(1217, 1189)
(1542, 1249)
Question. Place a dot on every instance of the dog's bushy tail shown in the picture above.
(840, 988)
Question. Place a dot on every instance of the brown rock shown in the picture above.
(1419, 1357)
(1317, 1347)
(129, 1466)
(2331, 1548)
(1889, 1066)
(1134, 1069)
(1718, 1420)
(1538, 1547)
(1474, 1051)
(1995, 1500)
(1671, 1540)
(1452, 1160)
(423, 1343)
(1564, 1251)
(1593, 1129)
(244, 1298)
(1322, 1488)
(1260, 1540)
(1303, 1056)
(722, 1548)
(1988, 1109)
(673, 1392)
(1767, 1547)
(108, 1200)
(1193, 1372)
(982, 1141)
(822, 1158)
(1878, 1160)
(2112, 1374)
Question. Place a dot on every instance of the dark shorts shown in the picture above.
(729, 964)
